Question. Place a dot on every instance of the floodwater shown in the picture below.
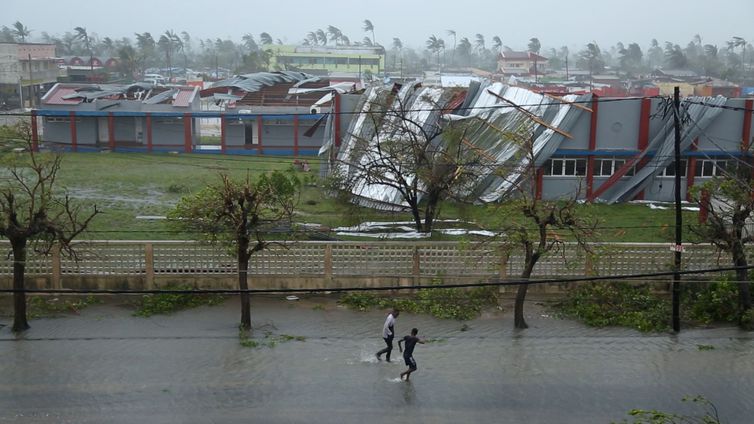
(106, 366)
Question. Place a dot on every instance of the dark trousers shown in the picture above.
(389, 342)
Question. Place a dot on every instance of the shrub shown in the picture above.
(166, 303)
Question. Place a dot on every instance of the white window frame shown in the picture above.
(684, 170)
(716, 168)
(550, 166)
(615, 164)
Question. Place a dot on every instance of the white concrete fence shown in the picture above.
(329, 261)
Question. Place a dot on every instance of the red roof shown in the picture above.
(56, 97)
(183, 98)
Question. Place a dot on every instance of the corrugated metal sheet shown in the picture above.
(700, 116)
(60, 96)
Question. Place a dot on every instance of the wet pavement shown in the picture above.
(107, 366)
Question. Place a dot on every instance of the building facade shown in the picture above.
(27, 70)
(323, 60)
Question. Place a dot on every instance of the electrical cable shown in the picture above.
(495, 283)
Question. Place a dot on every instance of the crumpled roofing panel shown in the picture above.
(663, 144)
(420, 105)
(258, 80)
(490, 121)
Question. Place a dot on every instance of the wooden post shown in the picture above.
(328, 262)
(416, 266)
(57, 269)
(149, 265)
(34, 131)
(503, 271)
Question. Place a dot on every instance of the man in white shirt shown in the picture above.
(388, 332)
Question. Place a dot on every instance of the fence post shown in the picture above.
(588, 264)
(56, 267)
(416, 266)
(503, 272)
(149, 265)
(328, 262)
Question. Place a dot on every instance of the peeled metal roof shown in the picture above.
(490, 121)
(699, 114)
(257, 81)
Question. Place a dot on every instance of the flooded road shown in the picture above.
(106, 366)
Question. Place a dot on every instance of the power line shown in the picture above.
(497, 282)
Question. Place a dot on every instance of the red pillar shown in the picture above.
(746, 131)
(704, 207)
(223, 143)
(34, 132)
(295, 135)
(260, 128)
(74, 135)
(187, 142)
(111, 131)
(149, 132)
(592, 146)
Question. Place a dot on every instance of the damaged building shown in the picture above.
(593, 148)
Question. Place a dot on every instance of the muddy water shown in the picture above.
(105, 366)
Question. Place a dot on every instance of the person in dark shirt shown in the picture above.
(408, 353)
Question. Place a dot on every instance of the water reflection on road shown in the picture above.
(189, 367)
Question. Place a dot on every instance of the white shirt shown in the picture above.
(387, 329)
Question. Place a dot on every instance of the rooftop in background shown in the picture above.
(75, 94)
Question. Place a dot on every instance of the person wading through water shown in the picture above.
(388, 333)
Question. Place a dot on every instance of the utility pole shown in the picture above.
(31, 85)
(678, 248)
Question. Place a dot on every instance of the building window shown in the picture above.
(669, 170)
(609, 166)
(565, 167)
(59, 120)
(710, 168)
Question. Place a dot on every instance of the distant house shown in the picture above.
(127, 117)
(24, 68)
(521, 63)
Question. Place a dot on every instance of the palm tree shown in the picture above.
(366, 41)
(21, 31)
(397, 45)
(735, 42)
(534, 45)
(435, 44)
(344, 40)
(265, 39)
(464, 47)
(369, 27)
(335, 34)
(169, 42)
(322, 37)
(497, 43)
(249, 43)
(452, 33)
(82, 35)
(311, 36)
(479, 44)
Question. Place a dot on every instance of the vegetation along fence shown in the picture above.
(149, 264)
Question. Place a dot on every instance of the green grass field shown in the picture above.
(126, 186)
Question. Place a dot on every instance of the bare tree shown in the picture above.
(533, 226)
(34, 216)
(240, 214)
(729, 201)
(425, 163)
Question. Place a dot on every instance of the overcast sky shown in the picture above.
(554, 22)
